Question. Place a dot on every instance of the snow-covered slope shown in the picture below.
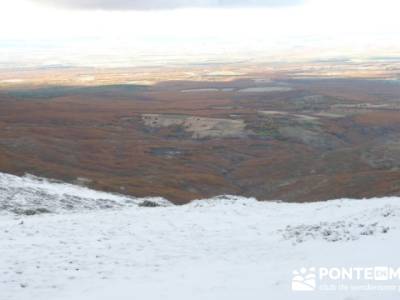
(222, 248)
(34, 195)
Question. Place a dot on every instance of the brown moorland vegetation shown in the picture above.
(314, 139)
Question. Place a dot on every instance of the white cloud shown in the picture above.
(165, 4)
(318, 27)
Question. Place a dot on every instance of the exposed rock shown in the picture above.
(198, 127)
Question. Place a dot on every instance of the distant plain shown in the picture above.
(291, 132)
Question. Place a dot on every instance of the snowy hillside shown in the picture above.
(59, 241)
(33, 195)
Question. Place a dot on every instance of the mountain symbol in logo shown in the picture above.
(304, 279)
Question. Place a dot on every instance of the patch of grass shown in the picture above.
(147, 203)
(31, 212)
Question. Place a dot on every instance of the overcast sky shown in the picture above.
(127, 30)
(165, 4)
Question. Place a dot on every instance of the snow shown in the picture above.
(227, 247)
(31, 195)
